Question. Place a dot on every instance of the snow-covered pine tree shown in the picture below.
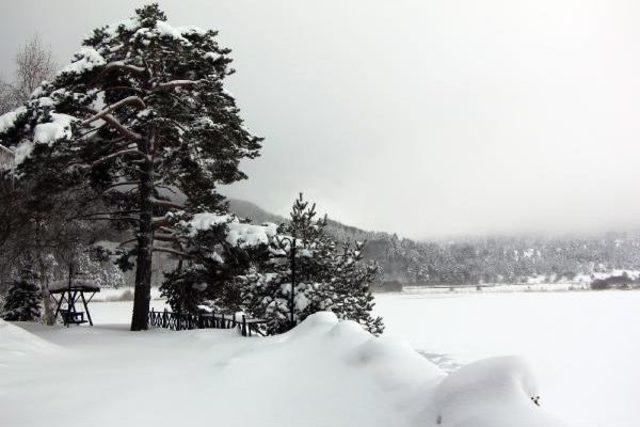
(292, 284)
(352, 282)
(23, 299)
(219, 251)
(324, 276)
(142, 116)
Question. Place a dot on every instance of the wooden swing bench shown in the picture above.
(70, 295)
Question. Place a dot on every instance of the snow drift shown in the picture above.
(325, 372)
(16, 343)
(495, 392)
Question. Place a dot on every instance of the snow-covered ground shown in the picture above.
(497, 288)
(583, 346)
(323, 373)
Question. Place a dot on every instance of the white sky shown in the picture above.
(425, 117)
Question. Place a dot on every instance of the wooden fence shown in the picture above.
(184, 321)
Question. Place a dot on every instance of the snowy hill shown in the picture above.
(322, 373)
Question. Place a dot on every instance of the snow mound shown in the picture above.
(325, 372)
(494, 392)
(15, 343)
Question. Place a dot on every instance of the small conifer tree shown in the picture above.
(23, 299)
(309, 272)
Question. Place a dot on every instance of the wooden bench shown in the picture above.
(73, 317)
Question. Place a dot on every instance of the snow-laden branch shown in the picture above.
(167, 230)
(121, 184)
(120, 65)
(177, 83)
(164, 187)
(126, 242)
(136, 100)
(110, 120)
(171, 251)
(159, 221)
(119, 153)
(129, 211)
(120, 128)
(165, 203)
(166, 237)
(123, 218)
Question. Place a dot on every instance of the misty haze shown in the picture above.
(329, 213)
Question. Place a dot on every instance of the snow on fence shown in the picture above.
(185, 321)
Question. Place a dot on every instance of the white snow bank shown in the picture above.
(15, 343)
(495, 392)
(325, 372)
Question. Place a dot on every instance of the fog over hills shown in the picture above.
(488, 259)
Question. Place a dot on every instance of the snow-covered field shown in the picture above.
(583, 346)
(323, 373)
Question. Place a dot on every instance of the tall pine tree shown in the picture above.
(142, 118)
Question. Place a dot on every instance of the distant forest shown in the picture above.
(482, 260)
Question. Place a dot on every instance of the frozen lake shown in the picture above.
(584, 346)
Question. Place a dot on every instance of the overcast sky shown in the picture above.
(427, 117)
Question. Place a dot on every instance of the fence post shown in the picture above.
(164, 318)
(244, 325)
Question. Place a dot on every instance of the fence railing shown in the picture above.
(183, 321)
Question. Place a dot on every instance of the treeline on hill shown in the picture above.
(481, 260)
(502, 259)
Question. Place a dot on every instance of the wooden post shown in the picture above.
(293, 281)
(86, 307)
(244, 325)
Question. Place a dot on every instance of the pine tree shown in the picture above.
(219, 250)
(308, 272)
(23, 299)
(140, 114)
(353, 280)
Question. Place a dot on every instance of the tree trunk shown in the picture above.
(142, 294)
(49, 315)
